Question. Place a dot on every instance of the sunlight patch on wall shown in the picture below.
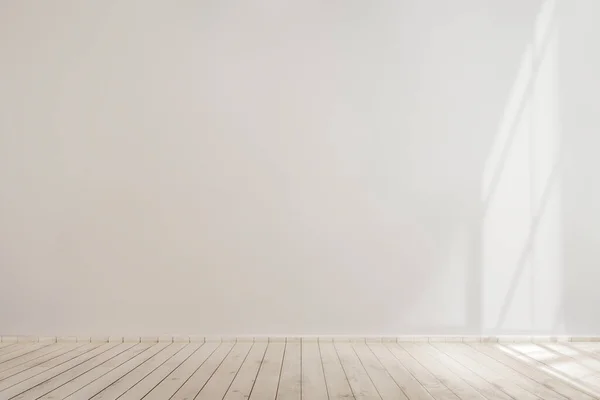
(521, 260)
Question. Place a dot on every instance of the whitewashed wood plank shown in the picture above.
(560, 365)
(360, 382)
(591, 349)
(217, 386)
(585, 350)
(489, 383)
(201, 376)
(144, 387)
(481, 363)
(436, 387)
(97, 372)
(39, 374)
(451, 379)
(336, 380)
(290, 382)
(169, 386)
(244, 381)
(476, 382)
(95, 387)
(506, 371)
(531, 369)
(37, 371)
(402, 376)
(126, 382)
(66, 348)
(554, 360)
(267, 380)
(591, 364)
(72, 373)
(313, 374)
(30, 356)
(20, 351)
(384, 383)
(8, 347)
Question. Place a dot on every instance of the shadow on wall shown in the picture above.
(579, 61)
(534, 233)
(426, 175)
(470, 149)
(521, 268)
(539, 216)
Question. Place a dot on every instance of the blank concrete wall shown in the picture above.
(299, 167)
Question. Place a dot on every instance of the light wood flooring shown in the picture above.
(300, 370)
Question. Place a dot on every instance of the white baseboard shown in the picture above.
(354, 339)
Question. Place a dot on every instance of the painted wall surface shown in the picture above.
(299, 167)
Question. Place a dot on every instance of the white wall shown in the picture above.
(300, 167)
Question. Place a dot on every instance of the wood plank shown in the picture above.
(72, 373)
(360, 382)
(476, 382)
(40, 374)
(588, 354)
(95, 387)
(452, 380)
(491, 384)
(562, 364)
(217, 386)
(532, 369)
(30, 356)
(169, 386)
(313, 374)
(494, 368)
(267, 380)
(591, 350)
(386, 386)
(38, 361)
(15, 347)
(436, 387)
(126, 382)
(243, 383)
(19, 351)
(290, 382)
(202, 375)
(8, 347)
(559, 365)
(153, 379)
(336, 380)
(403, 378)
(302, 370)
(55, 365)
(585, 347)
(97, 372)
(590, 364)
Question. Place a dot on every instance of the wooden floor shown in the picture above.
(295, 370)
